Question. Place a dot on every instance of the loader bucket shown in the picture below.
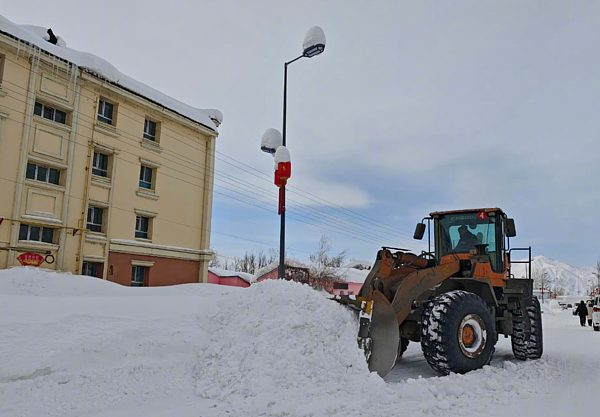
(385, 335)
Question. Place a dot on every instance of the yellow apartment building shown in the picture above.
(100, 174)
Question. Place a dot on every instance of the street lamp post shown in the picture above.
(313, 45)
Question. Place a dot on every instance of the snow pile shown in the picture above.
(276, 348)
(37, 282)
(38, 36)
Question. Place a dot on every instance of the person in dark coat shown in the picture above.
(582, 311)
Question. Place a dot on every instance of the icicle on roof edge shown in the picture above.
(38, 36)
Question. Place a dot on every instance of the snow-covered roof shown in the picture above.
(38, 36)
(351, 274)
(275, 264)
(224, 273)
(359, 262)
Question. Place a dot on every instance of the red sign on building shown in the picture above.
(30, 259)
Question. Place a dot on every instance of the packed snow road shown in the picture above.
(78, 346)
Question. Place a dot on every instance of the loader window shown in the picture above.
(460, 232)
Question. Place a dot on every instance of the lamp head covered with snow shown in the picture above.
(270, 141)
(314, 42)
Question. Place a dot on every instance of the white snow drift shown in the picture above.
(74, 346)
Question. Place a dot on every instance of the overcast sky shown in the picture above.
(415, 106)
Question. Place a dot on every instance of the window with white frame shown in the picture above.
(138, 274)
(42, 173)
(146, 174)
(105, 112)
(94, 219)
(91, 269)
(100, 164)
(50, 113)
(142, 227)
(36, 233)
(150, 130)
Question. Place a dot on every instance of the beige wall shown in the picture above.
(180, 202)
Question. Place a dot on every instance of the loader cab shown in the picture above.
(460, 232)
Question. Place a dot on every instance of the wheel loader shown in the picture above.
(454, 300)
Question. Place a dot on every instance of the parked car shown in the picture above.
(596, 313)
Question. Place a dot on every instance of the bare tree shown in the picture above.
(214, 262)
(273, 255)
(322, 270)
(539, 279)
(253, 260)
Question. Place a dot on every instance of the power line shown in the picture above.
(162, 220)
(372, 222)
(201, 187)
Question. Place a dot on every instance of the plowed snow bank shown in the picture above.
(70, 345)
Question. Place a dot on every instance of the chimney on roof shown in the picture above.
(53, 39)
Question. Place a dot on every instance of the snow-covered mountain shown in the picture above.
(558, 275)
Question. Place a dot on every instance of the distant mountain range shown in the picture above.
(559, 276)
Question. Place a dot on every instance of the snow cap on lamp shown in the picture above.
(282, 155)
(271, 140)
(314, 42)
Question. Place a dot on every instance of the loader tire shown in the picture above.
(458, 333)
(534, 347)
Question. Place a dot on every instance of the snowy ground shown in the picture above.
(79, 346)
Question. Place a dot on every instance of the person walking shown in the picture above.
(590, 309)
(583, 312)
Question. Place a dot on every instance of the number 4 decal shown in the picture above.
(482, 215)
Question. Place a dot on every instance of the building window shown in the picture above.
(137, 276)
(141, 227)
(94, 219)
(100, 164)
(146, 177)
(105, 112)
(50, 113)
(36, 233)
(150, 130)
(91, 269)
(44, 174)
(340, 286)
